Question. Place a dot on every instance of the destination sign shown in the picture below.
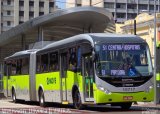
(121, 47)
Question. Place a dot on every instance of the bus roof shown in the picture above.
(116, 38)
(97, 37)
(90, 37)
(21, 53)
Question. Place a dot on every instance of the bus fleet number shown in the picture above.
(130, 89)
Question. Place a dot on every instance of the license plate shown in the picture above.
(127, 98)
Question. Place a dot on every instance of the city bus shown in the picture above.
(86, 69)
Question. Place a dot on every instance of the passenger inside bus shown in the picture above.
(72, 60)
(129, 67)
(53, 62)
(18, 66)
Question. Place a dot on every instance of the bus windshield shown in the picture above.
(123, 60)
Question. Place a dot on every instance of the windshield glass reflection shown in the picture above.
(123, 60)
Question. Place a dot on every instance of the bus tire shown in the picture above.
(41, 99)
(14, 95)
(77, 100)
(126, 106)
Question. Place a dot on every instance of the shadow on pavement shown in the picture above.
(96, 108)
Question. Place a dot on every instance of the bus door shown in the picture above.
(63, 68)
(88, 77)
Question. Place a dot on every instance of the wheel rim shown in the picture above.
(41, 99)
(14, 96)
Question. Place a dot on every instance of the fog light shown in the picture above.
(107, 91)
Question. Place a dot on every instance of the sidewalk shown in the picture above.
(149, 105)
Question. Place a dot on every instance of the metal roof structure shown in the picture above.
(56, 26)
(63, 23)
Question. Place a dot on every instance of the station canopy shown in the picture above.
(61, 24)
(55, 26)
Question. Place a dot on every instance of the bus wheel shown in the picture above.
(14, 96)
(41, 99)
(77, 100)
(126, 106)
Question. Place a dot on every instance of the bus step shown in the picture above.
(89, 99)
(65, 102)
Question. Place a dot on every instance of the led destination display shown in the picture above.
(121, 47)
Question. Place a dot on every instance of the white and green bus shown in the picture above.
(82, 70)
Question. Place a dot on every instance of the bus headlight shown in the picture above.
(108, 92)
(104, 89)
(101, 88)
(151, 87)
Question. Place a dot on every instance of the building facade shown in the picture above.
(122, 10)
(15, 12)
(144, 29)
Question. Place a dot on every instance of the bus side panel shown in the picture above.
(50, 83)
(21, 85)
(5, 86)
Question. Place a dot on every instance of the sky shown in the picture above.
(61, 3)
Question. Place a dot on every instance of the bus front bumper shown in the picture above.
(113, 97)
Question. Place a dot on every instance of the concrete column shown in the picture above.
(16, 12)
(137, 7)
(26, 10)
(126, 10)
(46, 6)
(148, 6)
(36, 8)
(158, 6)
(23, 42)
(115, 10)
(40, 34)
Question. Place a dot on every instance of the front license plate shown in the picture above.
(127, 98)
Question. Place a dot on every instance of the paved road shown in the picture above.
(7, 106)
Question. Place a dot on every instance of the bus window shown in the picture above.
(13, 67)
(19, 66)
(38, 63)
(53, 63)
(44, 62)
(25, 66)
(79, 59)
(72, 59)
(5, 69)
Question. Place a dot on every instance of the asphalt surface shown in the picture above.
(8, 107)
